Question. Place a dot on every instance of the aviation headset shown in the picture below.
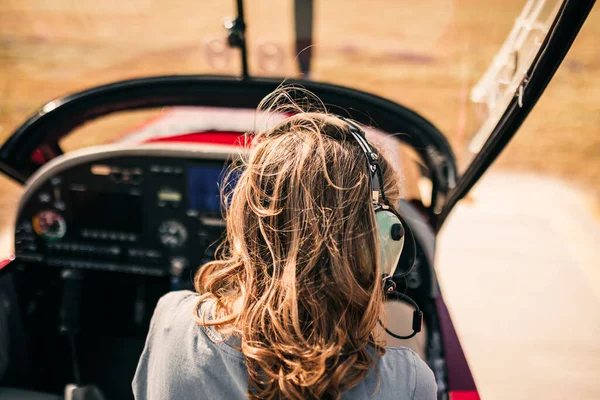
(390, 229)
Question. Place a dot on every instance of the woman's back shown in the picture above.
(183, 360)
(299, 281)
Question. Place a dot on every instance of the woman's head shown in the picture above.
(301, 257)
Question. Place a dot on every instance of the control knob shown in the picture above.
(49, 225)
(172, 233)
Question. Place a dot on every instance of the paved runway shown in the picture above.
(520, 271)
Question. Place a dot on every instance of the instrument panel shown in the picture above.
(101, 234)
(150, 210)
(146, 210)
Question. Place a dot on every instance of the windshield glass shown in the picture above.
(431, 56)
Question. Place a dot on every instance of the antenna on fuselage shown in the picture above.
(303, 21)
(236, 29)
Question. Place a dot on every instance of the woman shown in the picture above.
(290, 307)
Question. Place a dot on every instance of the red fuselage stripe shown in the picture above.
(464, 395)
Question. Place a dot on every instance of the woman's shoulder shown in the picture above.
(173, 319)
(175, 313)
(176, 298)
(403, 362)
(180, 358)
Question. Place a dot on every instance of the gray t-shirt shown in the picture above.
(182, 360)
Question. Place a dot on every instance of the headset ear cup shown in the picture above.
(390, 232)
(409, 251)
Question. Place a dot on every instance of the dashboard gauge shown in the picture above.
(172, 233)
(49, 224)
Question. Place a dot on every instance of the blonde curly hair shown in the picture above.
(300, 259)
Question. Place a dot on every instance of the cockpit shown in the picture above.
(103, 232)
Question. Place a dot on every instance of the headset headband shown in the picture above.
(377, 191)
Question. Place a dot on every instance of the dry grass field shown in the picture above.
(425, 55)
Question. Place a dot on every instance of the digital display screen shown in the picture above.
(204, 185)
(121, 212)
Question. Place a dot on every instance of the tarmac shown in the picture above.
(520, 272)
(518, 266)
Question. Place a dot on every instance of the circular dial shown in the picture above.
(49, 224)
(172, 233)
